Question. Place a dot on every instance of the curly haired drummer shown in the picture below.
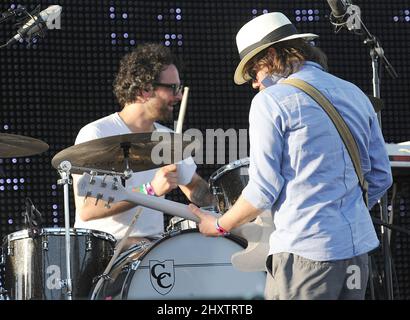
(147, 88)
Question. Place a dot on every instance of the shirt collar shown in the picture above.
(313, 64)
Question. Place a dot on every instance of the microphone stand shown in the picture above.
(377, 56)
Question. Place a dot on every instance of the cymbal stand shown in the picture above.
(64, 171)
(126, 150)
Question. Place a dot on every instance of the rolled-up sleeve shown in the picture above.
(266, 131)
(379, 177)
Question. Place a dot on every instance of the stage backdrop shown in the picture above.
(52, 87)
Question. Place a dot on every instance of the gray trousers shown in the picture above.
(292, 277)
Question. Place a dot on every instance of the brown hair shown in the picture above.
(287, 58)
(140, 69)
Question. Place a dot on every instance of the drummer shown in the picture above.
(147, 88)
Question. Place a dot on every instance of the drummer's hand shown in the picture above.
(206, 224)
(165, 180)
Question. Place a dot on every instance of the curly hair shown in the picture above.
(139, 69)
(288, 58)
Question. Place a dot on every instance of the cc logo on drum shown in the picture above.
(162, 275)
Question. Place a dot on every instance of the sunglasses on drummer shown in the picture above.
(176, 88)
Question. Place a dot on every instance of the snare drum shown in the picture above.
(228, 182)
(181, 265)
(35, 266)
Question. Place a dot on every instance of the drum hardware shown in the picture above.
(44, 243)
(35, 273)
(117, 251)
(109, 155)
(4, 294)
(32, 218)
(135, 265)
(120, 153)
(104, 276)
(217, 193)
(10, 251)
(88, 244)
(64, 171)
(177, 224)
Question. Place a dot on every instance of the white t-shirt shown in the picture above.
(150, 222)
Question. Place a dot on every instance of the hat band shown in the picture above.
(276, 35)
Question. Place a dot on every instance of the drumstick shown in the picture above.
(182, 110)
(117, 251)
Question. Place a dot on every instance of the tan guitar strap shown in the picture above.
(341, 127)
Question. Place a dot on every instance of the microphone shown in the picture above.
(37, 24)
(338, 7)
(12, 12)
(344, 14)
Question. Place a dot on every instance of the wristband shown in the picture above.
(149, 189)
(142, 189)
(221, 230)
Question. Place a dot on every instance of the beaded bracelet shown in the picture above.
(142, 189)
(145, 188)
(149, 189)
(221, 230)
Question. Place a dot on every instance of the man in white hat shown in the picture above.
(301, 170)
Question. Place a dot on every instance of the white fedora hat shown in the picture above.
(260, 33)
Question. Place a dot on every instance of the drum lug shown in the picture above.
(135, 265)
(105, 277)
(173, 233)
(10, 250)
(88, 243)
(63, 283)
(44, 242)
(216, 191)
(3, 294)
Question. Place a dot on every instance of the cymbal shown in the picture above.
(108, 154)
(13, 145)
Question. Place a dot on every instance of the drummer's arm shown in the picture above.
(197, 191)
(89, 210)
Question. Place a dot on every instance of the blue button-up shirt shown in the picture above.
(300, 168)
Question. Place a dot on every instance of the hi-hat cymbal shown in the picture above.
(13, 146)
(108, 153)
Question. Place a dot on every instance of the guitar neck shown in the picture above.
(248, 231)
(164, 205)
(111, 191)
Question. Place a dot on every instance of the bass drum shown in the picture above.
(182, 265)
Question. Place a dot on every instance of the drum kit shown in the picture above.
(67, 263)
